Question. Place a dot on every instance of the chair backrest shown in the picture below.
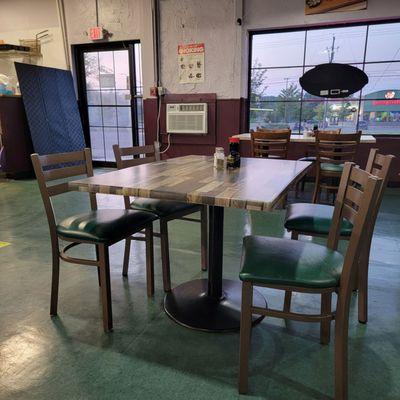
(270, 143)
(137, 155)
(60, 166)
(338, 148)
(131, 156)
(355, 201)
(331, 132)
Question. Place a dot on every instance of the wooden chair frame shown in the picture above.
(152, 154)
(355, 201)
(311, 149)
(270, 143)
(378, 165)
(338, 148)
(83, 166)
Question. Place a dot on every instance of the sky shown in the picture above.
(287, 49)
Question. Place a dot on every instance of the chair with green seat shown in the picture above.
(307, 267)
(332, 151)
(101, 228)
(312, 158)
(316, 220)
(165, 210)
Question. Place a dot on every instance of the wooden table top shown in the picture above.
(309, 139)
(259, 184)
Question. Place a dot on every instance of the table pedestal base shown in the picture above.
(189, 305)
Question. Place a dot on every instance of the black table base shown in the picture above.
(190, 305)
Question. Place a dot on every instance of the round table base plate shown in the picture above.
(189, 305)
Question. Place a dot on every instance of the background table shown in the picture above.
(368, 139)
(211, 304)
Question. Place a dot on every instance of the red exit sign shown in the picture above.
(96, 33)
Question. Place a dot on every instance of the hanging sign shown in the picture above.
(191, 63)
(325, 6)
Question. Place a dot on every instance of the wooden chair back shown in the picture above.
(131, 156)
(355, 201)
(52, 167)
(331, 132)
(137, 155)
(337, 147)
(270, 143)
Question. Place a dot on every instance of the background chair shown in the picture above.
(164, 209)
(311, 268)
(316, 220)
(101, 228)
(270, 143)
(337, 148)
(311, 157)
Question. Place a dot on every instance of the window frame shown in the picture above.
(306, 29)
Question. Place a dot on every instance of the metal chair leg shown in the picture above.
(105, 287)
(98, 268)
(55, 279)
(204, 238)
(288, 301)
(127, 252)
(245, 335)
(165, 255)
(325, 327)
(149, 260)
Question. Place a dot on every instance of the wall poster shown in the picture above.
(324, 6)
(191, 63)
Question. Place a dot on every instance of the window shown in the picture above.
(279, 58)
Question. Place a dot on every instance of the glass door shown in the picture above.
(110, 93)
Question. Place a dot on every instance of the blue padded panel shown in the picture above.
(51, 108)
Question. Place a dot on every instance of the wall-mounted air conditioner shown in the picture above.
(188, 118)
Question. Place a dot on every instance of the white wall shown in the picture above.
(210, 22)
(23, 19)
(262, 14)
(126, 19)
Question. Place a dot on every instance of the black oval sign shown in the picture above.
(333, 80)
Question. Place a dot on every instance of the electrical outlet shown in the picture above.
(161, 90)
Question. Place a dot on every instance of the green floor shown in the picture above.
(150, 357)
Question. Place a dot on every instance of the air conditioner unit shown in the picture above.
(188, 118)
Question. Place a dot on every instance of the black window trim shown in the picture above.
(307, 28)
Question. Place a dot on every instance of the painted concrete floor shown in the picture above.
(148, 356)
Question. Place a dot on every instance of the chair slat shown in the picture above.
(58, 189)
(136, 161)
(358, 176)
(134, 151)
(61, 158)
(64, 172)
(354, 195)
(349, 213)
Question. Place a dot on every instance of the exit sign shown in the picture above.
(96, 33)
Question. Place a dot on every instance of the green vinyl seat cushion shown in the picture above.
(104, 226)
(331, 167)
(163, 208)
(278, 261)
(313, 218)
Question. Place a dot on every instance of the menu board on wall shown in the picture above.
(324, 6)
(191, 63)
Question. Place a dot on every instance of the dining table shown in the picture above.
(213, 303)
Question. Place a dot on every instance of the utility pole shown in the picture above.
(286, 79)
(331, 56)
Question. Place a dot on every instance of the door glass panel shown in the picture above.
(108, 97)
(110, 138)
(97, 143)
(110, 116)
(114, 99)
(124, 117)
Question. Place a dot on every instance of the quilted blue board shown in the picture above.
(51, 108)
